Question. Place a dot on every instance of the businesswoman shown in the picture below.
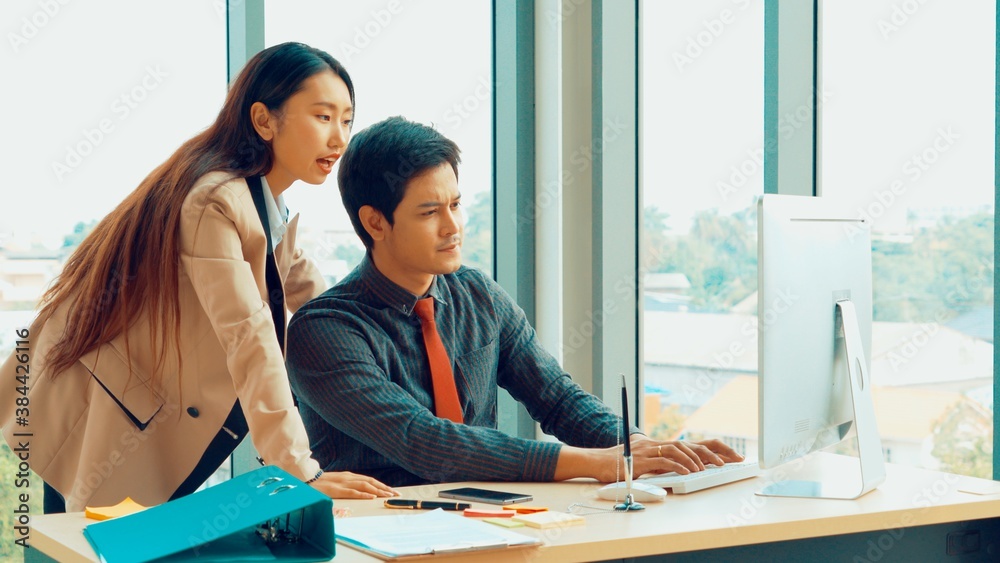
(160, 345)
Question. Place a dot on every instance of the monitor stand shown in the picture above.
(869, 444)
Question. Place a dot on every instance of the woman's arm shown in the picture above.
(221, 242)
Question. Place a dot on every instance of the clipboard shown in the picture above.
(416, 536)
(265, 514)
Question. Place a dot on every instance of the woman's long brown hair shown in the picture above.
(129, 264)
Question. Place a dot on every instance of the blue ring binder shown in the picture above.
(244, 517)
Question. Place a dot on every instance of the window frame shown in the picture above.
(791, 40)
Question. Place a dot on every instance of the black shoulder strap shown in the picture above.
(275, 293)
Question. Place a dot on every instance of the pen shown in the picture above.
(425, 504)
(626, 438)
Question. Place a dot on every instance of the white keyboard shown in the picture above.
(711, 476)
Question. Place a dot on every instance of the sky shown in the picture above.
(107, 92)
(907, 116)
(404, 60)
(101, 100)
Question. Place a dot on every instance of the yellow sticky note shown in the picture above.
(550, 519)
(505, 522)
(123, 508)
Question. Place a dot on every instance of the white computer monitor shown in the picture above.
(814, 317)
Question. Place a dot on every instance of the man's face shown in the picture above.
(426, 237)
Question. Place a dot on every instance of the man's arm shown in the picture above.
(333, 371)
(565, 410)
(535, 379)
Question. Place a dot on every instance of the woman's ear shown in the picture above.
(264, 122)
(373, 221)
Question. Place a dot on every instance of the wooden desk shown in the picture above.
(908, 518)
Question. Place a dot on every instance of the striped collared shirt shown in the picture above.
(357, 363)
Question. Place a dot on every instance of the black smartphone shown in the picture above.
(484, 495)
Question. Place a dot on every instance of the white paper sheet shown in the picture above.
(437, 531)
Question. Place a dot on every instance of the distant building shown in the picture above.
(931, 217)
(977, 323)
(706, 365)
(906, 419)
(322, 248)
(24, 277)
(666, 292)
(669, 282)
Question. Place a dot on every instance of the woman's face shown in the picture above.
(310, 131)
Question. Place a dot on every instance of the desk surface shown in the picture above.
(730, 515)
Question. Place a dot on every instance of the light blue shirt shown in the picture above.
(277, 214)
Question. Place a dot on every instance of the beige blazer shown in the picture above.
(100, 431)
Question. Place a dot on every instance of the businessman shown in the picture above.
(396, 368)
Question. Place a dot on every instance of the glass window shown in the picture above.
(701, 167)
(908, 135)
(98, 95)
(405, 58)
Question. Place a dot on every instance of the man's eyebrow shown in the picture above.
(437, 203)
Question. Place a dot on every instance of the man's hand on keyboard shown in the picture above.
(654, 456)
(648, 456)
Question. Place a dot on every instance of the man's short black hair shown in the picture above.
(381, 160)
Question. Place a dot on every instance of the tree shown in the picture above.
(350, 253)
(718, 256)
(80, 230)
(963, 440)
(945, 271)
(669, 423)
(477, 248)
(654, 234)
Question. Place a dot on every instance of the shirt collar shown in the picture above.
(277, 214)
(389, 293)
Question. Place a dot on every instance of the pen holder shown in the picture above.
(629, 504)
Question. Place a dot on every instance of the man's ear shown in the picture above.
(264, 122)
(374, 222)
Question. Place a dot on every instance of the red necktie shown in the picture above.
(445, 394)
